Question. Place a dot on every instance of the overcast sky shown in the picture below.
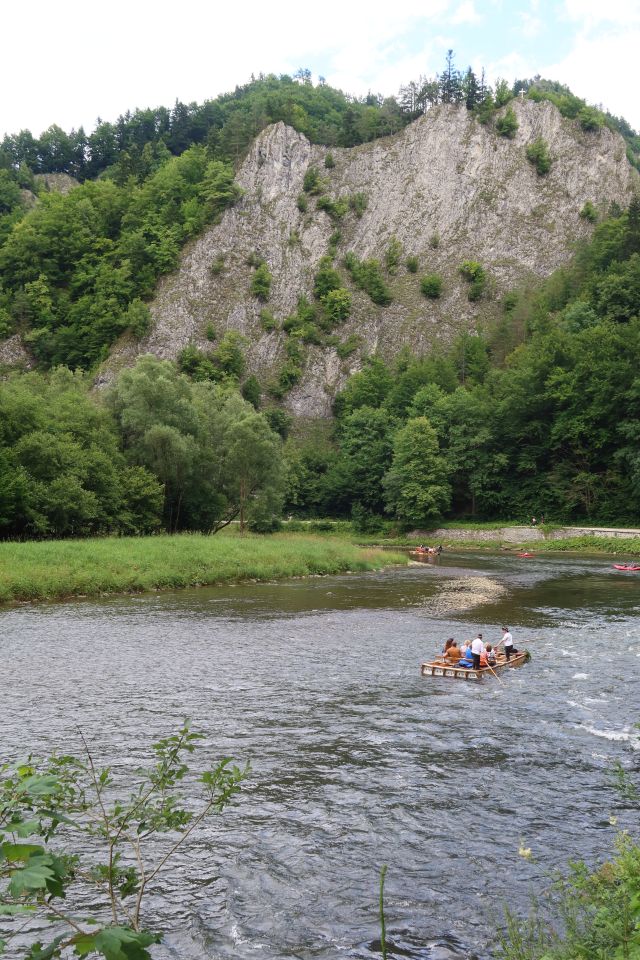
(69, 64)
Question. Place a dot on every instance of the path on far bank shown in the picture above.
(529, 534)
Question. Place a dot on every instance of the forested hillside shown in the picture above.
(270, 270)
(549, 427)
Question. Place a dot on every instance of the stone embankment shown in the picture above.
(527, 534)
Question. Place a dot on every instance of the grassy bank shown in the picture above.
(64, 568)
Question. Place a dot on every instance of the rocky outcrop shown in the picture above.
(447, 188)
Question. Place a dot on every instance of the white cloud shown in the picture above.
(593, 12)
(531, 26)
(138, 54)
(594, 69)
(466, 13)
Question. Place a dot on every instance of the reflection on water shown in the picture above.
(357, 760)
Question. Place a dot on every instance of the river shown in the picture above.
(357, 761)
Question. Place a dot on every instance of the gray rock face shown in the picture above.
(448, 188)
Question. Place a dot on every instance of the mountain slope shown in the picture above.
(447, 188)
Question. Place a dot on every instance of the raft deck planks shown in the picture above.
(437, 668)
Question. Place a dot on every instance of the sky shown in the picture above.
(70, 64)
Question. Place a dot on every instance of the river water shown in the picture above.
(357, 761)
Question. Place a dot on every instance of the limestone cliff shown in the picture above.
(445, 176)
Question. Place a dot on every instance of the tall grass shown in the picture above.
(63, 568)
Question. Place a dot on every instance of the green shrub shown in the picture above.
(312, 182)
(261, 283)
(434, 241)
(251, 391)
(302, 203)
(336, 209)
(589, 212)
(349, 346)
(337, 306)
(358, 203)
(476, 276)
(392, 256)
(509, 301)
(507, 125)
(329, 162)
(412, 264)
(210, 333)
(590, 118)
(254, 260)
(217, 266)
(267, 321)
(326, 279)
(6, 325)
(538, 154)
(228, 356)
(431, 286)
(138, 318)
(334, 240)
(366, 275)
(279, 421)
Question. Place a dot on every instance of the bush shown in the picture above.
(358, 203)
(329, 162)
(312, 182)
(138, 318)
(392, 256)
(210, 333)
(476, 276)
(267, 321)
(507, 125)
(589, 212)
(538, 155)
(590, 118)
(349, 346)
(337, 306)
(431, 286)
(302, 203)
(434, 241)
(366, 275)
(334, 240)
(217, 266)
(336, 209)
(326, 279)
(412, 264)
(261, 283)
(251, 391)
(254, 259)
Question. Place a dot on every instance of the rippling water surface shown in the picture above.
(356, 760)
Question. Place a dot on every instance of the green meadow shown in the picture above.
(64, 568)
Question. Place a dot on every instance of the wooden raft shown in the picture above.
(438, 668)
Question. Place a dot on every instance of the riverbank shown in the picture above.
(47, 570)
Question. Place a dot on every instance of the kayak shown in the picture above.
(629, 567)
(437, 668)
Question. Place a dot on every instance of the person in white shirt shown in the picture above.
(509, 649)
(477, 648)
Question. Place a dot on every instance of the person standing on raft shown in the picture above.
(509, 649)
(477, 649)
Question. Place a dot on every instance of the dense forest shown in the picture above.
(538, 413)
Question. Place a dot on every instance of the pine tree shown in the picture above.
(450, 82)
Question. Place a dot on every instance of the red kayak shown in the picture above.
(630, 567)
